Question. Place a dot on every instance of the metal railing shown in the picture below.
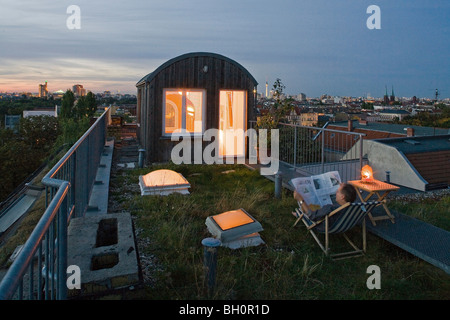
(41, 266)
(315, 150)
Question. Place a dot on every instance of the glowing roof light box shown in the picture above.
(235, 228)
(163, 182)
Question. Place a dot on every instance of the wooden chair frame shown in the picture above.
(325, 246)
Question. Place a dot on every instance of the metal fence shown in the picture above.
(315, 150)
(40, 269)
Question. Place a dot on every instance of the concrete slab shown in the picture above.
(98, 201)
(17, 210)
(103, 247)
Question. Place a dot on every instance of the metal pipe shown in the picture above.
(278, 185)
(141, 158)
(210, 262)
(295, 147)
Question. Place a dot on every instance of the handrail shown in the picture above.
(68, 184)
(316, 128)
(301, 149)
(48, 178)
(17, 270)
(324, 129)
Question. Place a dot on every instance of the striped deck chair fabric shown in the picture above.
(353, 216)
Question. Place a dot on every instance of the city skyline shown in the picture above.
(79, 90)
(314, 47)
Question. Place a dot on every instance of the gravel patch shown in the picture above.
(435, 195)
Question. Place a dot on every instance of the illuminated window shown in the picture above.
(232, 120)
(183, 111)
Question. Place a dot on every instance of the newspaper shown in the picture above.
(319, 189)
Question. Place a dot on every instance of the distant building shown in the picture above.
(43, 91)
(386, 98)
(377, 130)
(419, 163)
(301, 97)
(41, 112)
(58, 94)
(391, 114)
(392, 98)
(78, 90)
(338, 144)
(190, 94)
(12, 122)
(309, 119)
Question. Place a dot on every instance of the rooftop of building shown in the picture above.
(419, 144)
(392, 128)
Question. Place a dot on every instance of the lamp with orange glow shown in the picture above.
(366, 173)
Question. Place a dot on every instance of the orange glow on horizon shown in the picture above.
(9, 85)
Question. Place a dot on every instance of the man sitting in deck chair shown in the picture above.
(345, 193)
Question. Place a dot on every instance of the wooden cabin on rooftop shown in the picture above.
(192, 93)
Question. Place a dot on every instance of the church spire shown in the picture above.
(386, 97)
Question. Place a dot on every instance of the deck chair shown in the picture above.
(351, 214)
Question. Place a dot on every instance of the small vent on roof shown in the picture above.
(413, 142)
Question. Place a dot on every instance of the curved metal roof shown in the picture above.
(149, 77)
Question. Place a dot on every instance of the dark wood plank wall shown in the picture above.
(187, 73)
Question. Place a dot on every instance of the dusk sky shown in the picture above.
(314, 46)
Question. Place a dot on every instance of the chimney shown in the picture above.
(350, 126)
(410, 132)
(363, 122)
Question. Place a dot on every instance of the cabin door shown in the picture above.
(232, 123)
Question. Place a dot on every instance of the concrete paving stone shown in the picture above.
(104, 267)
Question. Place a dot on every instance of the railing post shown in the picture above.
(141, 158)
(295, 147)
(62, 250)
(322, 160)
(360, 152)
(278, 185)
(210, 262)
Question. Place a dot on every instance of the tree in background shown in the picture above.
(18, 160)
(91, 104)
(39, 132)
(67, 105)
(277, 112)
(80, 108)
(85, 106)
(439, 119)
